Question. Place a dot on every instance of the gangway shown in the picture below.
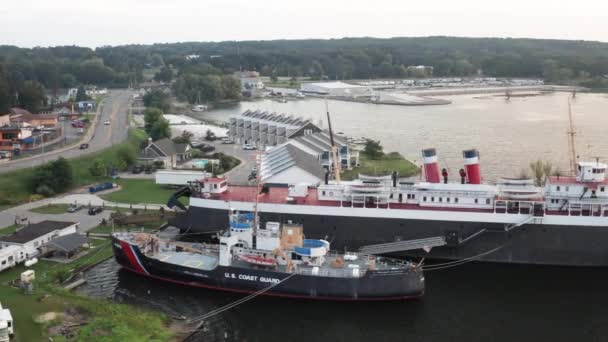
(407, 245)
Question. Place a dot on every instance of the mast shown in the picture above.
(571, 141)
(334, 149)
(258, 181)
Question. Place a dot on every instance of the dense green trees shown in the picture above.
(157, 98)
(196, 88)
(155, 125)
(164, 75)
(31, 96)
(52, 178)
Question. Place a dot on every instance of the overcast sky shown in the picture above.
(114, 22)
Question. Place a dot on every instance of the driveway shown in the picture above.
(239, 174)
(87, 222)
(115, 109)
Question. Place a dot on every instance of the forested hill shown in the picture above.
(579, 62)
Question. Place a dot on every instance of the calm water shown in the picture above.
(474, 302)
(508, 133)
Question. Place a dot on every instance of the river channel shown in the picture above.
(473, 302)
(508, 133)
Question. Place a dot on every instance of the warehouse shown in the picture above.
(336, 89)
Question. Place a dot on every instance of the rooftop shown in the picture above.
(36, 230)
(69, 243)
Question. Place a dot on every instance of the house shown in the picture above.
(15, 137)
(288, 164)
(34, 237)
(166, 152)
(67, 245)
(267, 129)
(22, 116)
(5, 119)
(86, 106)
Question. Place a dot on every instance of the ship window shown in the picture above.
(323, 193)
(440, 199)
(447, 200)
(413, 196)
(456, 200)
(567, 188)
(331, 193)
(557, 188)
(602, 189)
(432, 199)
(476, 201)
(487, 201)
(424, 198)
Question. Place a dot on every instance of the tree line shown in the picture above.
(202, 70)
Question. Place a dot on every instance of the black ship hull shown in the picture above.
(374, 285)
(530, 243)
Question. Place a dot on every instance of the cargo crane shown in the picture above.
(334, 149)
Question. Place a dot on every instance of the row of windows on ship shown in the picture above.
(558, 188)
(427, 199)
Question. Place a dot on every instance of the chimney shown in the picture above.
(431, 170)
(471, 162)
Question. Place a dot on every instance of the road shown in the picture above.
(115, 108)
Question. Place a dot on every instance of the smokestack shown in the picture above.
(444, 174)
(431, 169)
(471, 162)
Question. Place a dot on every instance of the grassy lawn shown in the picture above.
(386, 165)
(51, 209)
(14, 185)
(107, 321)
(136, 191)
(9, 230)
(147, 227)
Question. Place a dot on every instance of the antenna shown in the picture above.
(258, 181)
(333, 145)
(571, 141)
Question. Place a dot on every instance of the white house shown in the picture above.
(30, 240)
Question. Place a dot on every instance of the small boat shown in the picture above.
(258, 260)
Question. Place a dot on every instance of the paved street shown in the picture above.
(115, 108)
(87, 222)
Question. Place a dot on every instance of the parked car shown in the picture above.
(149, 169)
(137, 169)
(207, 148)
(228, 141)
(249, 147)
(5, 154)
(95, 210)
(74, 208)
(84, 146)
(107, 122)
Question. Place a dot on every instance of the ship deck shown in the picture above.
(206, 256)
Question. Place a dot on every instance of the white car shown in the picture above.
(107, 122)
(249, 147)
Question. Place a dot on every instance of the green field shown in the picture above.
(386, 165)
(51, 209)
(136, 191)
(107, 321)
(16, 183)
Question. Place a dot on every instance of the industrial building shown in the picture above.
(287, 164)
(336, 89)
(268, 129)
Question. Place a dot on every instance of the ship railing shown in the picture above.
(343, 272)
